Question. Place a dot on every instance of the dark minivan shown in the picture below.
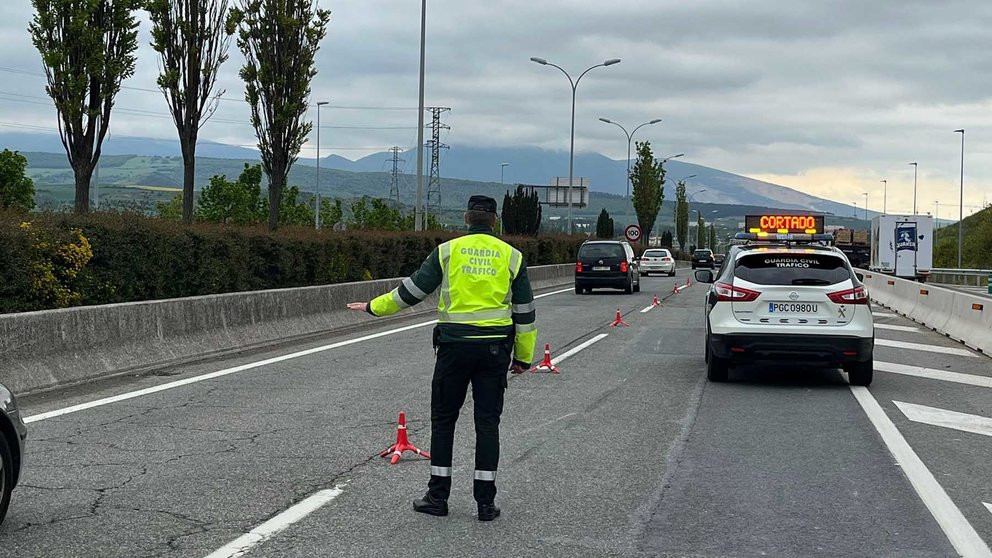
(606, 264)
(702, 258)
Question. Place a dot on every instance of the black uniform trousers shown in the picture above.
(485, 366)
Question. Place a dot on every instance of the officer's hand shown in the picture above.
(358, 306)
(517, 369)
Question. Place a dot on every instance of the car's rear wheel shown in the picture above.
(629, 287)
(637, 286)
(672, 274)
(861, 373)
(578, 289)
(717, 369)
(6, 476)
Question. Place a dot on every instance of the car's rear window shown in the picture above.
(792, 269)
(657, 254)
(701, 253)
(601, 251)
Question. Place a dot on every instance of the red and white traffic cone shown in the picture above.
(402, 444)
(688, 282)
(619, 321)
(675, 289)
(655, 302)
(546, 364)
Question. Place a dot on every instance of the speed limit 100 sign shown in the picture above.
(632, 233)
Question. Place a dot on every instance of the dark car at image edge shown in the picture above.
(12, 438)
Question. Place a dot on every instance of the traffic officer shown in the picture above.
(485, 326)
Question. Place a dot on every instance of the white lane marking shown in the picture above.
(647, 309)
(243, 544)
(883, 315)
(542, 425)
(577, 348)
(934, 374)
(923, 347)
(954, 524)
(217, 374)
(989, 506)
(946, 419)
(552, 293)
(897, 328)
(228, 371)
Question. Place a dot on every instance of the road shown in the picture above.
(628, 452)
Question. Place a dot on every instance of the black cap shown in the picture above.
(482, 203)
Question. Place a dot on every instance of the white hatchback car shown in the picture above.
(657, 260)
(801, 304)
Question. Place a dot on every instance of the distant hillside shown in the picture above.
(527, 165)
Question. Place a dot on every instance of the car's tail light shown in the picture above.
(666, 259)
(624, 267)
(857, 295)
(726, 292)
(578, 267)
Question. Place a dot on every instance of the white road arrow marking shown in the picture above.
(897, 328)
(934, 374)
(947, 419)
(923, 347)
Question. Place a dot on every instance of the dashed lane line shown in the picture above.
(934, 374)
(243, 544)
(890, 327)
(959, 532)
(946, 419)
(924, 347)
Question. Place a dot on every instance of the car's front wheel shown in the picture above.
(861, 373)
(6, 476)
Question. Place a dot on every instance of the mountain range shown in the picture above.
(526, 165)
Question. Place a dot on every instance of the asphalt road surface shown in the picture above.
(628, 452)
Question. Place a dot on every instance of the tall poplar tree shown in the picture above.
(648, 192)
(192, 38)
(87, 48)
(279, 40)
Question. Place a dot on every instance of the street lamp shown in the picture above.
(688, 203)
(885, 196)
(629, 136)
(316, 216)
(961, 207)
(866, 205)
(915, 168)
(571, 149)
(418, 214)
(501, 167)
(936, 212)
(665, 160)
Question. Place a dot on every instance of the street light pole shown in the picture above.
(915, 168)
(418, 217)
(866, 205)
(961, 207)
(629, 137)
(688, 202)
(501, 167)
(936, 213)
(885, 196)
(571, 148)
(316, 212)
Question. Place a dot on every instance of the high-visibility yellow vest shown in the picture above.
(477, 272)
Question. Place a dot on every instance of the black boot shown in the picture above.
(431, 505)
(488, 512)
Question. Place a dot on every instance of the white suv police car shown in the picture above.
(787, 298)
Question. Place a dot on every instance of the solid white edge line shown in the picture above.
(217, 374)
(987, 505)
(243, 544)
(954, 524)
(924, 347)
(934, 374)
(228, 371)
(933, 416)
(577, 348)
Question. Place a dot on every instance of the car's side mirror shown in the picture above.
(704, 276)
(860, 276)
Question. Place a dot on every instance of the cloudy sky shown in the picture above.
(826, 96)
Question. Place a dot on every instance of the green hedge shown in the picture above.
(138, 258)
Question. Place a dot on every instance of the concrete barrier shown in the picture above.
(961, 316)
(40, 350)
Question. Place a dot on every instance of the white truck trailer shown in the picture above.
(902, 245)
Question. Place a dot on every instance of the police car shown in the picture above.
(785, 294)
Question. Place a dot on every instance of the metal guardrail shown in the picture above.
(969, 277)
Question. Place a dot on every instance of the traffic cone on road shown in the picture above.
(402, 444)
(655, 301)
(619, 321)
(688, 282)
(675, 289)
(546, 364)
